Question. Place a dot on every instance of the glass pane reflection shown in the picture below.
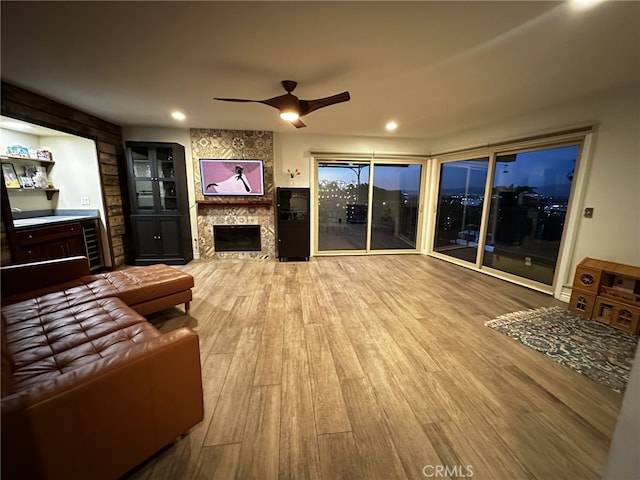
(460, 202)
(529, 201)
(342, 206)
(394, 219)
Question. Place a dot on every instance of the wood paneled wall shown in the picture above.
(30, 107)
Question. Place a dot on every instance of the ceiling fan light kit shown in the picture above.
(291, 107)
(289, 116)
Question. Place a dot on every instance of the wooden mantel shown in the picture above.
(239, 202)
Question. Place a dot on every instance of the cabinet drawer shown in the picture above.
(31, 253)
(45, 234)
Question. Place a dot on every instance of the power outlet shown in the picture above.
(85, 201)
(527, 261)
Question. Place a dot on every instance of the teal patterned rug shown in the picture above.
(594, 349)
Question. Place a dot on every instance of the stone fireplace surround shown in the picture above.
(241, 210)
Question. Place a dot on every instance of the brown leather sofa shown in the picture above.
(90, 388)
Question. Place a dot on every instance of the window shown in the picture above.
(529, 201)
(368, 205)
(506, 212)
(459, 214)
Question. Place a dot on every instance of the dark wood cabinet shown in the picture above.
(158, 237)
(160, 209)
(292, 223)
(47, 243)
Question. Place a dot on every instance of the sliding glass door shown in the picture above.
(460, 202)
(394, 214)
(513, 223)
(343, 198)
(529, 200)
(367, 206)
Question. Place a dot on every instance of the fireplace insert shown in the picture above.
(236, 238)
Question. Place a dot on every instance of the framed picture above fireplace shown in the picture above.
(231, 177)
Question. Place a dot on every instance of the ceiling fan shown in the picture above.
(291, 107)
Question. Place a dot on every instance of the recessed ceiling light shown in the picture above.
(16, 126)
(178, 115)
(584, 3)
(391, 126)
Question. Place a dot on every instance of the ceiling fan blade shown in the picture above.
(235, 100)
(298, 123)
(308, 106)
(286, 101)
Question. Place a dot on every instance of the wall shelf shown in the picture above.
(238, 202)
(9, 158)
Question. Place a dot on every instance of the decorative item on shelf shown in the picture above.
(44, 155)
(40, 179)
(292, 175)
(10, 176)
(38, 176)
(26, 182)
(18, 151)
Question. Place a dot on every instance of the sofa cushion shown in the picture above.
(57, 342)
(132, 285)
(141, 284)
(6, 381)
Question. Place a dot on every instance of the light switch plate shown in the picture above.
(588, 212)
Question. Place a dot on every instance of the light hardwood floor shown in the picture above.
(376, 367)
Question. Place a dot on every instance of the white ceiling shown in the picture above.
(435, 67)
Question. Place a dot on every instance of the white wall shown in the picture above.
(292, 150)
(11, 137)
(172, 135)
(75, 173)
(613, 180)
(624, 453)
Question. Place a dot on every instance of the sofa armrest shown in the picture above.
(101, 420)
(33, 276)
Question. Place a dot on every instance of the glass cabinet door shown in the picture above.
(154, 179)
(166, 179)
(143, 174)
